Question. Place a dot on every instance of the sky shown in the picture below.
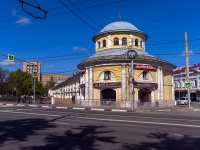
(64, 38)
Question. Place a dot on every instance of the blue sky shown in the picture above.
(63, 40)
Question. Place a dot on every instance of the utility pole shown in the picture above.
(131, 54)
(187, 66)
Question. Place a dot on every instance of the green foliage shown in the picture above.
(20, 80)
(23, 82)
(49, 85)
(4, 73)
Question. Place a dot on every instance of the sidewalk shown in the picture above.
(47, 104)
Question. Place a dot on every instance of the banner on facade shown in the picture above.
(145, 85)
(147, 67)
(107, 85)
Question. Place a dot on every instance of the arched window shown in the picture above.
(141, 43)
(124, 41)
(99, 45)
(145, 75)
(136, 42)
(104, 43)
(116, 41)
(107, 75)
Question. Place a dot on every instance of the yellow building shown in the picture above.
(108, 76)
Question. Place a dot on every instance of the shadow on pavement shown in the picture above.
(165, 142)
(20, 134)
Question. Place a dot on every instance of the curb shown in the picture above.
(94, 109)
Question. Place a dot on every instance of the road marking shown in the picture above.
(79, 108)
(20, 105)
(118, 110)
(10, 104)
(31, 113)
(97, 109)
(45, 106)
(62, 107)
(59, 123)
(32, 105)
(178, 135)
(188, 135)
(142, 122)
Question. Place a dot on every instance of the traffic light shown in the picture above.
(11, 57)
(35, 74)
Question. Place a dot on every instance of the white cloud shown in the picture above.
(14, 12)
(7, 63)
(76, 48)
(49, 66)
(23, 21)
(189, 53)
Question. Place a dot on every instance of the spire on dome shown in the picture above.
(120, 18)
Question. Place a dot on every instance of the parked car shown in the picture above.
(182, 101)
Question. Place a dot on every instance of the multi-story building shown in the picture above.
(180, 77)
(30, 66)
(108, 73)
(56, 78)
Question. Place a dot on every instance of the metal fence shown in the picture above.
(104, 104)
(126, 105)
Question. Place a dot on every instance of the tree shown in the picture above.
(4, 73)
(49, 85)
(20, 80)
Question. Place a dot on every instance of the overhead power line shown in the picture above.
(23, 3)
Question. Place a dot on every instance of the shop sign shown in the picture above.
(145, 85)
(146, 67)
(107, 85)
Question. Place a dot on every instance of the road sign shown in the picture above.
(35, 74)
(188, 85)
(11, 57)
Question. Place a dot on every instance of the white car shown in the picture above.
(182, 101)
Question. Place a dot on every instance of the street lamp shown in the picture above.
(131, 54)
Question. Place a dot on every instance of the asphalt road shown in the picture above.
(29, 128)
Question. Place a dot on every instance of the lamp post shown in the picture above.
(131, 54)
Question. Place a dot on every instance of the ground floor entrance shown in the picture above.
(144, 95)
(108, 95)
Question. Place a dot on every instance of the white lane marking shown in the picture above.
(178, 135)
(79, 108)
(189, 135)
(32, 105)
(97, 109)
(9, 104)
(142, 122)
(31, 113)
(155, 118)
(20, 105)
(118, 110)
(59, 123)
(62, 107)
(46, 106)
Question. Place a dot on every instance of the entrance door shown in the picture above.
(144, 95)
(193, 96)
(108, 95)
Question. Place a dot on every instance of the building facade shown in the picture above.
(107, 74)
(31, 66)
(180, 77)
(56, 78)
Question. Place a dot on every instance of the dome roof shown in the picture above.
(120, 26)
(119, 55)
